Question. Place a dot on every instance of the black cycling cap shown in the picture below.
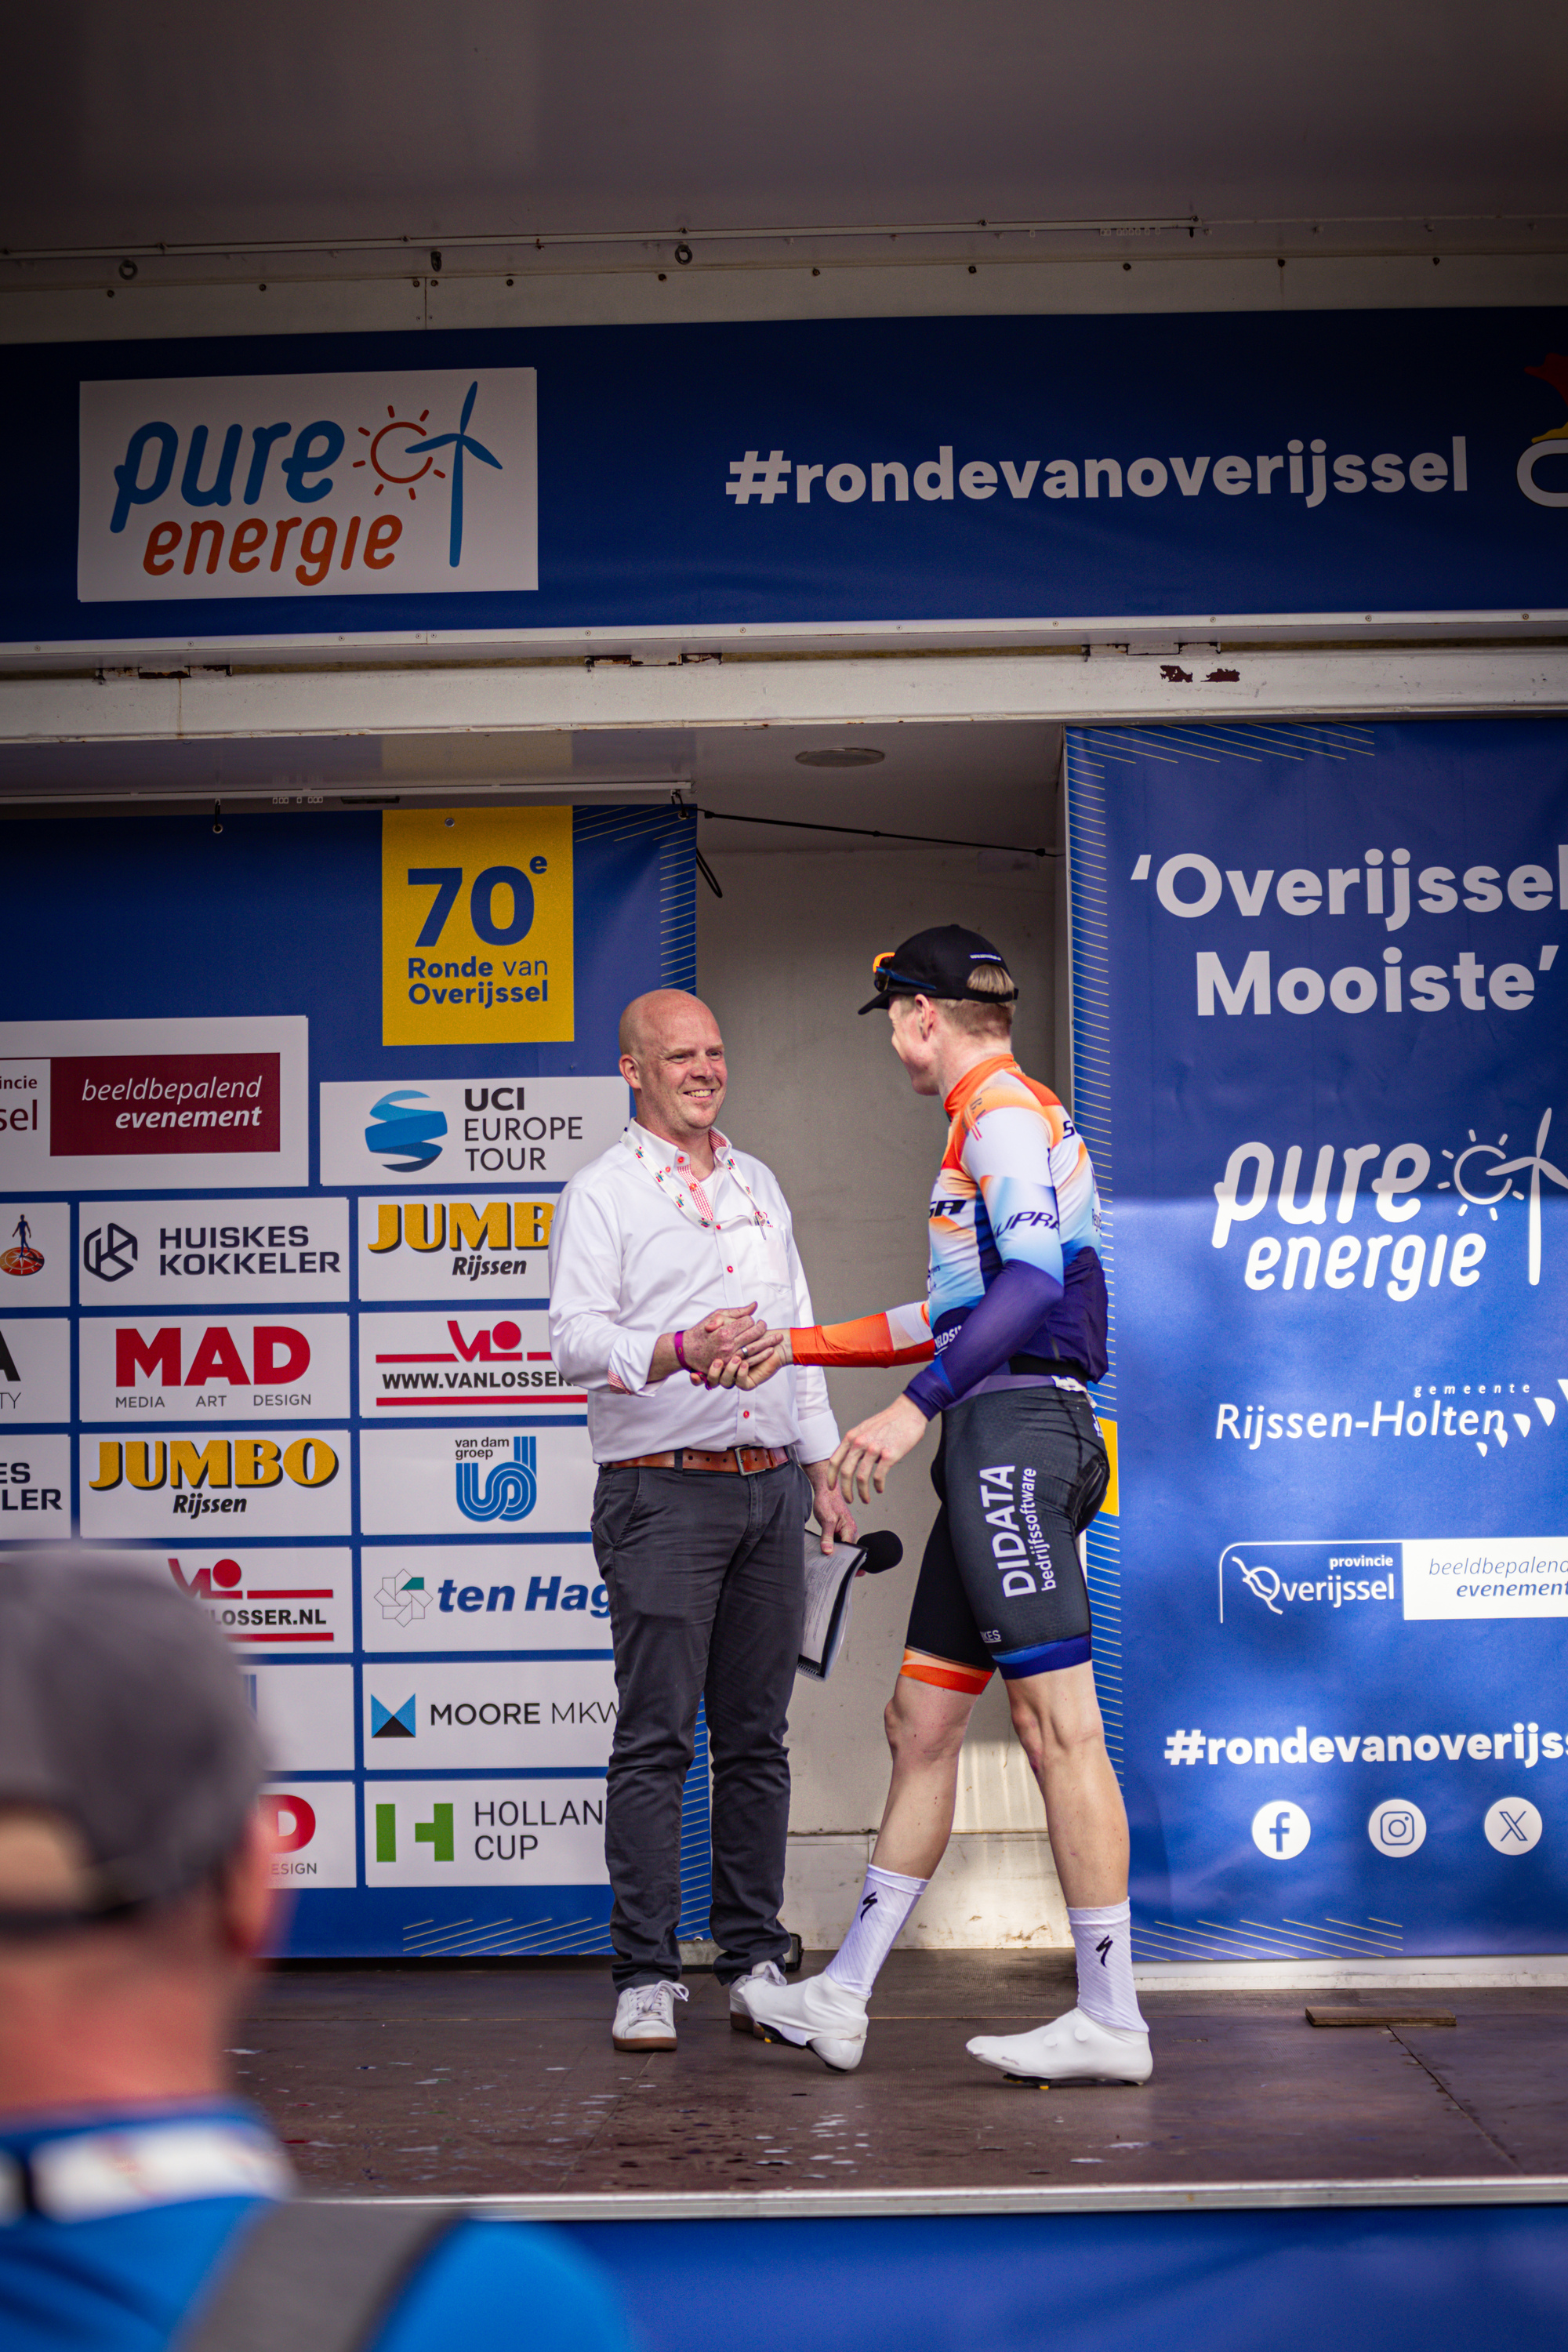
(940, 963)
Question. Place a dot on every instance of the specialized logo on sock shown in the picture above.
(868, 1902)
(1006, 1500)
(508, 1490)
(1104, 1949)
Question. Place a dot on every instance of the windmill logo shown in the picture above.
(507, 1490)
(462, 443)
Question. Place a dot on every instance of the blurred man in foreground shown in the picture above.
(136, 2189)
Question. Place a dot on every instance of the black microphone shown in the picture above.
(879, 1551)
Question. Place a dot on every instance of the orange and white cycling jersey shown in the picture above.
(1015, 1271)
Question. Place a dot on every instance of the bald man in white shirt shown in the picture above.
(668, 1252)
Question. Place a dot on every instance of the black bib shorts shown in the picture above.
(1020, 1474)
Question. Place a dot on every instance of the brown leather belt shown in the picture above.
(747, 1460)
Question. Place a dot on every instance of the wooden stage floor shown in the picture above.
(502, 2082)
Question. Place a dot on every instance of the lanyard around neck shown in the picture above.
(670, 1186)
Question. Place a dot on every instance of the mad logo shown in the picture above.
(507, 1490)
(406, 1131)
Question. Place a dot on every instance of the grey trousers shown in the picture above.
(705, 1572)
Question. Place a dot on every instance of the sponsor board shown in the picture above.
(476, 930)
(306, 1716)
(484, 1833)
(34, 1367)
(491, 1596)
(459, 1362)
(243, 1367)
(459, 1132)
(1483, 1577)
(35, 1253)
(511, 1713)
(440, 1482)
(141, 1103)
(216, 1253)
(35, 1489)
(387, 482)
(312, 1832)
(275, 1483)
(295, 1602)
(441, 1248)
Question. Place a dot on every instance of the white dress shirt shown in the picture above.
(639, 1246)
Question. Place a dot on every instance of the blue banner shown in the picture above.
(789, 475)
(286, 1103)
(1322, 1062)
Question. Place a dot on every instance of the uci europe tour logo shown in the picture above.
(405, 1130)
(407, 481)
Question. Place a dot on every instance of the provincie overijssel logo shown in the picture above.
(221, 487)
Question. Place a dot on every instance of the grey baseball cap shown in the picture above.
(123, 1715)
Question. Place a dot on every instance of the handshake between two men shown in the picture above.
(732, 1351)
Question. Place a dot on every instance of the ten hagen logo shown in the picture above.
(403, 1135)
(109, 1105)
(507, 1490)
(273, 1612)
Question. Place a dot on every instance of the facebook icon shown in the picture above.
(1281, 1829)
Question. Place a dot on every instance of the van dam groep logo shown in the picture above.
(505, 1490)
(405, 1130)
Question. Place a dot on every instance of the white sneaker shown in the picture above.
(767, 1972)
(1071, 2048)
(644, 2016)
(815, 2014)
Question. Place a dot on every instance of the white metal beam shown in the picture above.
(890, 691)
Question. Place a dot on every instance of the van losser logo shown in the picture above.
(283, 485)
(266, 1610)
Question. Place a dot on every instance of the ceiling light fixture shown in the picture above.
(852, 755)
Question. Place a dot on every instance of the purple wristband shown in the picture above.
(679, 1351)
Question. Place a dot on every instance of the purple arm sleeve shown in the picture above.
(1013, 1307)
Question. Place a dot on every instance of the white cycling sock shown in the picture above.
(886, 1901)
(1102, 1941)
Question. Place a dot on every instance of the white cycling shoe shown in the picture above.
(1071, 2048)
(762, 1972)
(815, 2014)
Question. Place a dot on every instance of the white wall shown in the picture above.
(784, 958)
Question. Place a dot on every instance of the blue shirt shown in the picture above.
(123, 2281)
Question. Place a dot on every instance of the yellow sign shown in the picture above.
(476, 926)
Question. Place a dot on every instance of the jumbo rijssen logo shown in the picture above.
(313, 485)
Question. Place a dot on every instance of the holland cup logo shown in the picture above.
(507, 1490)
